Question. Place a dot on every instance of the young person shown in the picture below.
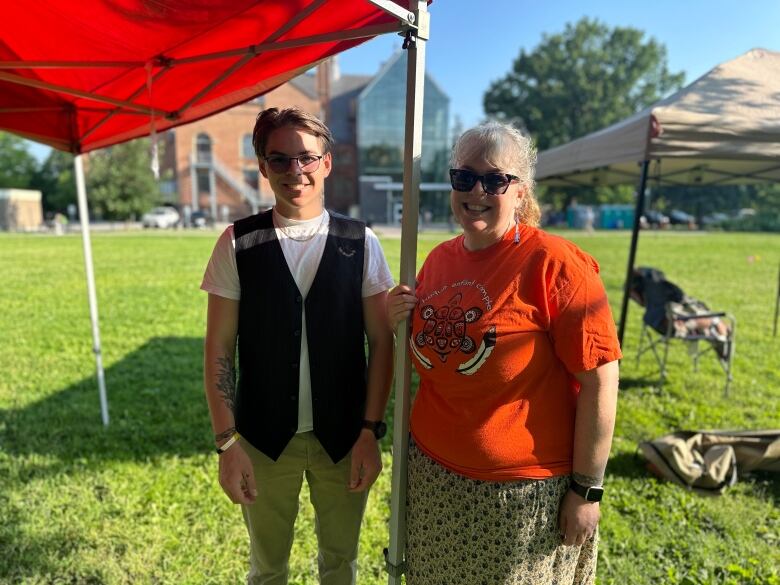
(297, 290)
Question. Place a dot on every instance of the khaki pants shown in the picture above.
(270, 520)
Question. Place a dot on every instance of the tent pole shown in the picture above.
(640, 209)
(91, 292)
(395, 563)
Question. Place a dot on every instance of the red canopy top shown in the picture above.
(81, 75)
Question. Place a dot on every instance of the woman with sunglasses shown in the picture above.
(515, 345)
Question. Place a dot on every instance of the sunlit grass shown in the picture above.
(139, 502)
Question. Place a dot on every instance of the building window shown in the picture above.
(204, 184)
(168, 187)
(203, 148)
(251, 177)
(247, 148)
(380, 127)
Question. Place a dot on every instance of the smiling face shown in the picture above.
(485, 218)
(299, 194)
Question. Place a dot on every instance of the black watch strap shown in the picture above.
(378, 427)
(590, 493)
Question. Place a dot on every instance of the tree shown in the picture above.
(119, 181)
(703, 200)
(17, 164)
(580, 81)
(54, 179)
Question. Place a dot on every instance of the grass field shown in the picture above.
(139, 502)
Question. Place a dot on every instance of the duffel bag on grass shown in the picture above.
(709, 461)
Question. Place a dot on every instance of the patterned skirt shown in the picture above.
(462, 531)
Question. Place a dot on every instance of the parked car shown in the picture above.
(654, 218)
(678, 217)
(714, 219)
(161, 217)
(199, 219)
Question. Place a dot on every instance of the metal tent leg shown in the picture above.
(415, 83)
(81, 192)
(640, 208)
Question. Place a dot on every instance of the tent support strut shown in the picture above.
(91, 290)
(395, 563)
(640, 209)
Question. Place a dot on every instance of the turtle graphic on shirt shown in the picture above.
(445, 332)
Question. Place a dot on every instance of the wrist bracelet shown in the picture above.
(229, 443)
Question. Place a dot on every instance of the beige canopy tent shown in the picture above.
(722, 129)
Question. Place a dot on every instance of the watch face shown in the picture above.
(594, 494)
(590, 494)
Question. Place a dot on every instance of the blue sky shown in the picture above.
(482, 38)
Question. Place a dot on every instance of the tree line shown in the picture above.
(119, 182)
(591, 76)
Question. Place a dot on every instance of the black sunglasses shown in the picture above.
(492, 183)
(280, 163)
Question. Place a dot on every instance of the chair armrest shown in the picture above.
(678, 317)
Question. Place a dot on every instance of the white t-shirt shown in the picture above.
(303, 260)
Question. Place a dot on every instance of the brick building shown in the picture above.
(210, 165)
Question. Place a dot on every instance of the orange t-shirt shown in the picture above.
(496, 337)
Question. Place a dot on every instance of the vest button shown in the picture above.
(298, 299)
(294, 365)
(297, 333)
(293, 397)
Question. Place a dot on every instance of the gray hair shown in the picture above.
(505, 147)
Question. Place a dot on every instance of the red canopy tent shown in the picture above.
(83, 75)
(79, 76)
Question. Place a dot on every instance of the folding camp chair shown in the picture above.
(670, 315)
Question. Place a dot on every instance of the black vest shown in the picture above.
(269, 338)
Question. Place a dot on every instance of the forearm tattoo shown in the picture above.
(586, 480)
(226, 434)
(226, 381)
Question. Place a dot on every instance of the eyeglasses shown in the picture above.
(308, 163)
(492, 183)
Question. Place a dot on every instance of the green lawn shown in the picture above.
(139, 502)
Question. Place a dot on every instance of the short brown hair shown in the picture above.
(274, 118)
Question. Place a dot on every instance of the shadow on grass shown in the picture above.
(157, 411)
(767, 482)
(633, 466)
(645, 383)
(628, 466)
(156, 408)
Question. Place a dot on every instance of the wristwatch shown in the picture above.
(591, 494)
(378, 427)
